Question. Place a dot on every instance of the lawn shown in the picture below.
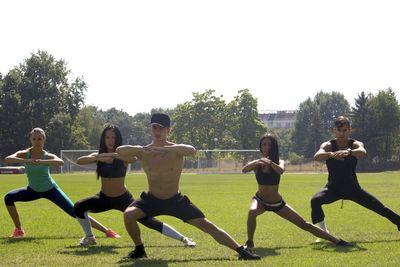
(52, 236)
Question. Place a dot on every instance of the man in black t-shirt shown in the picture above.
(341, 155)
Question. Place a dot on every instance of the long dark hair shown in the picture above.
(103, 147)
(274, 149)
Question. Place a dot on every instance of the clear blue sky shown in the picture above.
(136, 55)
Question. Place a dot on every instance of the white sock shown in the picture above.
(85, 223)
(171, 232)
(322, 225)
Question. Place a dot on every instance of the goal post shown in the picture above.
(70, 157)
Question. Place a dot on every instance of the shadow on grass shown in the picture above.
(263, 252)
(30, 239)
(10, 240)
(164, 263)
(329, 247)
(85, 251)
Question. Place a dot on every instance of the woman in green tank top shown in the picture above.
(40, 182)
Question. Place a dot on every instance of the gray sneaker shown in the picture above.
(88, 241)
(188, 242)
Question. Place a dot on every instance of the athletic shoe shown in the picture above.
(18, 233)
(112, 234)
(249, 244)
(343, 243)
(188, 242)
(88, 241)
(137, 254)
(247, 255)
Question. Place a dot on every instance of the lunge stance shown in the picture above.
(40, 183)
(341, 155)
(162, 162)
(268, 170)
(111, 167)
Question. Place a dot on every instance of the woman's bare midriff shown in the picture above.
(113, 187)
(269, 193)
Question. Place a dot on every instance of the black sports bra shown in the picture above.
(267, 178)
(115, 169)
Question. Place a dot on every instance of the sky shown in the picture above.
(139, 55)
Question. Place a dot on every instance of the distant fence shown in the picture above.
(204, 161)
(12, 170)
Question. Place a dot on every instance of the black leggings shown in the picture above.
(361, 197)
(100, 203)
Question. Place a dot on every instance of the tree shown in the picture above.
(314, 121)
(244, 124)
(201, 121)
(302, 144)
(361, 117)
(285, 140)
(385, 121)
(92, 121)
(36, 94)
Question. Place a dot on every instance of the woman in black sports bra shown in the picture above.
(268, 170)
(111, 167)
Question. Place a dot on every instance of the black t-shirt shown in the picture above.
(342, 173)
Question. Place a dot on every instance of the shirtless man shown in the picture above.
(162, 162)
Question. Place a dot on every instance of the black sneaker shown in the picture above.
(249, 244)
(343, 243)
(247, 255)
(137, 254)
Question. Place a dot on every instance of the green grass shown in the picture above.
(52, 236)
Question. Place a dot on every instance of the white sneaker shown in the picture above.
(88, 241)
(188, 242)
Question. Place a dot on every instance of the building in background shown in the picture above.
(278, 119)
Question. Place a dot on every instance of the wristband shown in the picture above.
(350, 151)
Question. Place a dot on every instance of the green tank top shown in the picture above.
(39, 178)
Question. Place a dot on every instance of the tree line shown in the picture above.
(40, 93)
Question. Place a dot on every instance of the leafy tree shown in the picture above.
(92, 121)
(36, 94)
(244, 124)
(314, 121)
(285, 140)
(141, 131)
(361, 117)
(302, 143)
(201, 121)
(385, 121)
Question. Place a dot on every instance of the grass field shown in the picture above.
(52, 236)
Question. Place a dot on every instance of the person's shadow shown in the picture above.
(79, 250)
(263, 252)
(329, 247)
(36, 240)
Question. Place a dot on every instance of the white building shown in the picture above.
(278, 118)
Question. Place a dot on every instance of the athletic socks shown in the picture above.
(171, 232)
(85, 223)
(322, 225)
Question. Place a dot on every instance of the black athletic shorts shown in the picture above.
(178, 206)
(275, 207)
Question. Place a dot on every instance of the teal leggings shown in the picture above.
(55, 195)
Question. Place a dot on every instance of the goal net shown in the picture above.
(204, 161)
